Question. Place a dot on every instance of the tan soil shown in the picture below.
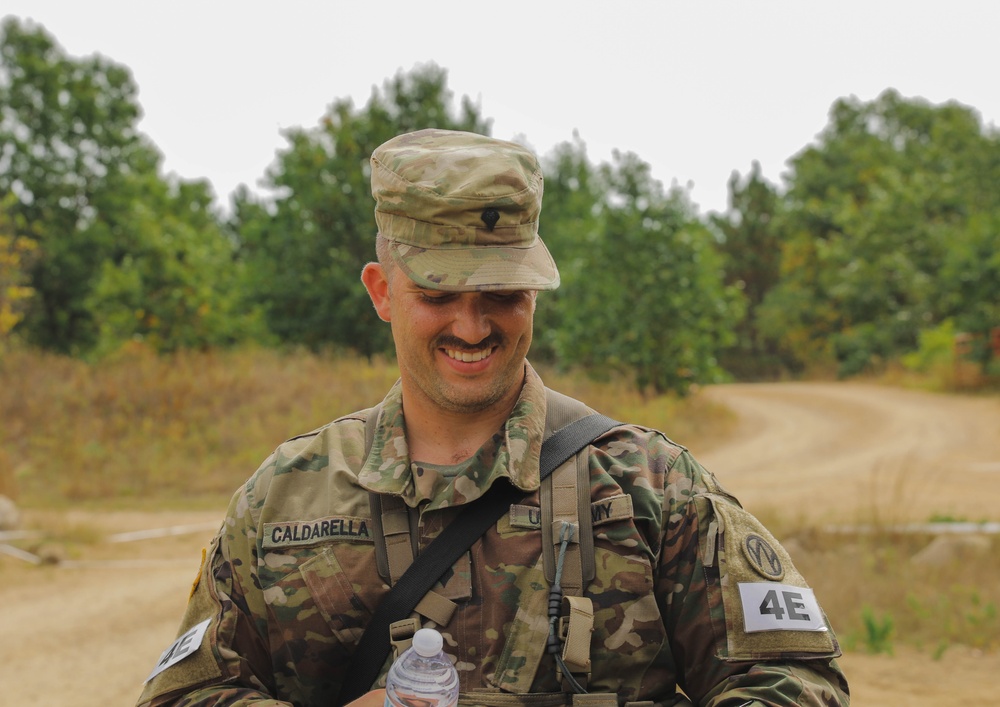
(88, 631)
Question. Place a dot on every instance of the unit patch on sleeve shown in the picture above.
(309, 532)
(763, 557)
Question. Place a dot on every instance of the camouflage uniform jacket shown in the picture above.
(290, 581)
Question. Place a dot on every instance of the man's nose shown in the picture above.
(471, 323)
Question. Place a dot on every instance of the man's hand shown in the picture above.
(375, 698)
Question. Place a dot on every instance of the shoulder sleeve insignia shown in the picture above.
(762, 557)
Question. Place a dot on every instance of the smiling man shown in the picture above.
(672, 593)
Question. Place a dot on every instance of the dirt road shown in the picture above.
(87, 632)
(845, 452)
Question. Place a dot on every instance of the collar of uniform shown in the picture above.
(512, 454)
(523, 433)
(386, 469)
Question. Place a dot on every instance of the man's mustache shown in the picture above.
(453, 342)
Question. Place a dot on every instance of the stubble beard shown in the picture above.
(473, 398)
(453, 399)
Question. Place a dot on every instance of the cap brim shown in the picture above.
(478, 268)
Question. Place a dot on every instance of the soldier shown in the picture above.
(674, 594)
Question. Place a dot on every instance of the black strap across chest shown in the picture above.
(474, 520)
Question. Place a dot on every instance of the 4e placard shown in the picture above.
(769, 606)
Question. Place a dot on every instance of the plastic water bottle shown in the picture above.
(423, 676)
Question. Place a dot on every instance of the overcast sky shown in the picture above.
(696, 89)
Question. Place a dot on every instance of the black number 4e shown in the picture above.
(793, 606)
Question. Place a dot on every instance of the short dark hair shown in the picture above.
(383, 257)
(382, 251)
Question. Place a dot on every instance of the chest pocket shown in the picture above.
(315, 594)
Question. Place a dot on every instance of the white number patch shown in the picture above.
(181, 648)
(768, 606)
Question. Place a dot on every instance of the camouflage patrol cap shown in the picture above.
(460, 212)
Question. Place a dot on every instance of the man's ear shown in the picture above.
(377, 284)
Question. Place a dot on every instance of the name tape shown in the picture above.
(603, 511)
(308, 532)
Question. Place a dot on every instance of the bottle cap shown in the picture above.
(427, 642)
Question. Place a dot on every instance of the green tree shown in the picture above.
(115, 240)
(305, 245)
(15, 256)
(177, 285)
(750, 240)
(872, 211)
(647, 297)
(970, 276)
(69, 152)
(571, 223)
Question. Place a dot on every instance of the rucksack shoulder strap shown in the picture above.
(394, 524)
(565, 499)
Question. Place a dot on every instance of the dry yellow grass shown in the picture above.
(142, 428)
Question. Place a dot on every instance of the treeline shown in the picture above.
(883, 242)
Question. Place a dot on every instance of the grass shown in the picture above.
(144, 432)
(877, 631)
(876, 596)
(942, 377)
(141, 428)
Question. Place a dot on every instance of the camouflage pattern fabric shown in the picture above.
(461, 211)
(291, 581)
